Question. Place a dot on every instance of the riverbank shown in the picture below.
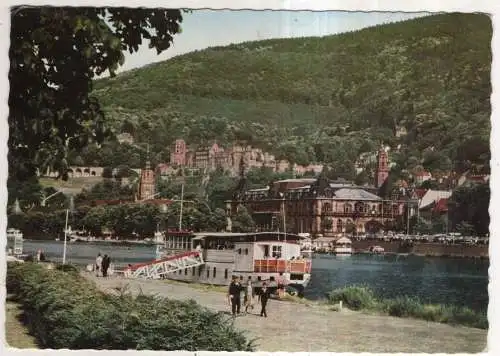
(425, 249)
(313, 327)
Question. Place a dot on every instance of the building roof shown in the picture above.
(432, 196)
(441, 206)
(298, 180)
(355, 194)
(231, 235)
(420, 193)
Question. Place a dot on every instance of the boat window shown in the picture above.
(271, 278)
(214, 272)
(225, 273)
(266, 251)
(259, 278)
(276, 251)
(239, 251)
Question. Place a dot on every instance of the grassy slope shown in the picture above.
(430, 75)
(16, 334)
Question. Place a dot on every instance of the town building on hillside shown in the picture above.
(423, 176)
(382, 167)
(317, 206)
(178, 153)
(147, 183)
(125, 137)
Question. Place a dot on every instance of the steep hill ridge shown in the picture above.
(422, 83)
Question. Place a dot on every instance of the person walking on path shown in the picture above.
(234, 296)
(98, 264)
(105, 265)
(263, 298)
(249, 296)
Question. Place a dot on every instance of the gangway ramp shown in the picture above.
(157, 268)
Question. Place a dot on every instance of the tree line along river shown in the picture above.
(456, 281)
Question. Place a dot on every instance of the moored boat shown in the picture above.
(214, 258)
(343, 246)
(14, 242)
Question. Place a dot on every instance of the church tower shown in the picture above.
(382, 167)
(147, 183)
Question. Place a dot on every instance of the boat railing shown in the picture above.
(282, 266)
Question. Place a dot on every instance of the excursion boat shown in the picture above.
(214, 258)
(343, 246)
(14, 244)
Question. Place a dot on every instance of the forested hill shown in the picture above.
(322, 99)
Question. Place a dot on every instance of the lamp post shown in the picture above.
(65, 237)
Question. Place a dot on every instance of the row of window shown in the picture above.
(214, 273)
(200, 269)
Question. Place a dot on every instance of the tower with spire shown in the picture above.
(147, 183)
(382, 167)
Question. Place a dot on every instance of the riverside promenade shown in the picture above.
(312, 327)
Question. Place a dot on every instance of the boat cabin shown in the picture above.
(257, 256)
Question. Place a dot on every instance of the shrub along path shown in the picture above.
(313, 327)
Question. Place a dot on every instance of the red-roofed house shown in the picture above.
(441, 207)
(421, 177)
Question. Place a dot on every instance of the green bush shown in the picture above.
(354, 297)
(403, 307)
(64, 310)
(363, 298)
(68, 268)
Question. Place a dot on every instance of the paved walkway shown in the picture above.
(295, 327)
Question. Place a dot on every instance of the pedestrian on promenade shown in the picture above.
(249, 296)
(281, 286)
(98, 264)
(234, 296)
(105, 265)
(263, 298)
(38, 254)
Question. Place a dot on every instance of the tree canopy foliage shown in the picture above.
(421, 86)
(55, 54)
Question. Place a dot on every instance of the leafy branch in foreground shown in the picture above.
(55, 54)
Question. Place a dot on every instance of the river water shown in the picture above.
(433, 280)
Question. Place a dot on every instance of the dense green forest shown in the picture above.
(421, 86)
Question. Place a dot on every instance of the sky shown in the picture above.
(208, 28)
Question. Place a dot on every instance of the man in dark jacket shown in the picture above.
(264, 297)
(105, 265)
(234, 295)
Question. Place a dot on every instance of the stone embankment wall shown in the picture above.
(425, 249)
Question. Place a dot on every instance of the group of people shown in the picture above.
(234, 294)
(102, 265)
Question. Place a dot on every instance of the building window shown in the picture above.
(208, 272)
(194, 271)
(185, 272)
(199, 271)
(276, 252)
(225, 273)
(239, 251)
(246, 251)
(214, 273)
(340, 225)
